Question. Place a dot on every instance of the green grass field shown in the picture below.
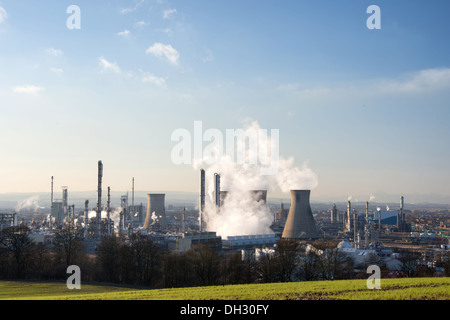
(391, 289)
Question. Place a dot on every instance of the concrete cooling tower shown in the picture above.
(300, 224)
(156, 212)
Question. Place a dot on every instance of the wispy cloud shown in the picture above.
(3, 15)
(124, 33)
(28, 89)
(148, 77)
(415, 83)
(54, 52)
(164, 50)
(424, 81)
(167, 14)
(131, 9)
(140, 24)
(109, 66)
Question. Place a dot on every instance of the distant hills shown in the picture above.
(30, 200)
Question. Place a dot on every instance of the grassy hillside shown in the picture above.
(391, 289)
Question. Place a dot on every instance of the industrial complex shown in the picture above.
(361, 231)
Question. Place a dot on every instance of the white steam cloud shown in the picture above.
(31, 203)
(240, 213)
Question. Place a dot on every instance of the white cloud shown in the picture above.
(140, 24)
(124, 33)
(419, 82)
(423, 81)
(27, 89)
(158, 50)
(109, 66)
(131, 9)
(3, 15)
(54, 52)
(148, 77)
(167, 14)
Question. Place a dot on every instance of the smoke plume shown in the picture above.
(31, 203)
(240, 213)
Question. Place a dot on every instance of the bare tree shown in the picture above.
(17, 244)
(205, 263)
(335, 264)
(68, 245)
(146, 257)
(286, 253)
(108, 259)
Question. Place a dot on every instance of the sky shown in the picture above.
(367, 110)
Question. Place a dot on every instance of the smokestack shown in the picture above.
(156, 206)
(86, 217)
(132, 200)
(108, 212)
(401, 208)
(349, 217)
(183, 218)
(99, 197)
(334, 214)
(367, 211)
(217, 189)
(51, 205)
(64, 202)
(52, 193)
(379, 219)
(300, 223)
(202, 199)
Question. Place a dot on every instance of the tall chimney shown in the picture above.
(367, 211)
(201, 207)
(334, 217)
(132, 201)
(402, 212)
(108, 212)
(217, 189)
(86, 217)
(348, 221)
(300, 222)
(183, 220)
(64, 203)
(51, 206)
(99, 198)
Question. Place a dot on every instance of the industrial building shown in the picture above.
(365, 231)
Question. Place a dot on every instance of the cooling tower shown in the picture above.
(300, 223)
(155, 207)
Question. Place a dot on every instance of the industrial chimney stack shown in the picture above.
(300, 223)
(217, 189)
(201, 208)
(99, 198)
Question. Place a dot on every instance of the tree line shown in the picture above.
(140, 261)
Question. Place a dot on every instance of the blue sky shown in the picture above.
(367, 109)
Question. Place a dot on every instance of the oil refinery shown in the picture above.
(359, 229)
